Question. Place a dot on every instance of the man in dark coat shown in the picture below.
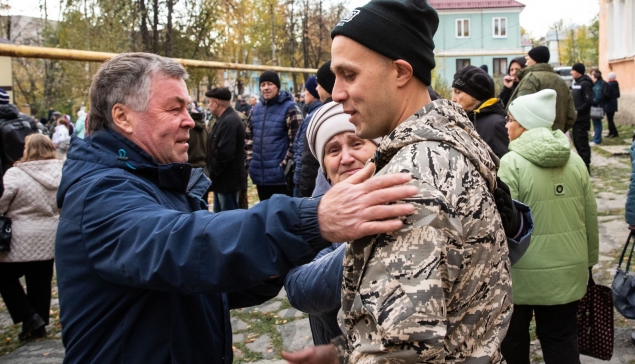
(473, 89)
(610, 104)
(145, 273)
(22, 125)
(582, 93)
(225, 151)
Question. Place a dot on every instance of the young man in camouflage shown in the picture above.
(438, 290)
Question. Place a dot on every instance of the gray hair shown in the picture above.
(126, 79)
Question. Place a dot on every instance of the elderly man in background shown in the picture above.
(145, 273)
(225, 151)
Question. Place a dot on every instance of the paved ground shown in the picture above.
(261, 332)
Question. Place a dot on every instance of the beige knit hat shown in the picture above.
(327, 122)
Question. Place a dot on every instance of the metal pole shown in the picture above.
(12, 50)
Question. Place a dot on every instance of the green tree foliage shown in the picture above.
(293, 33)
(581, 45)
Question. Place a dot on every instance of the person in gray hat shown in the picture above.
(439, 289)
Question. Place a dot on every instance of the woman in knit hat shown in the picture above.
(473, 89)
(551, 278)
(314, 288)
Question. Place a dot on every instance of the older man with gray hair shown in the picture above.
(145, 273)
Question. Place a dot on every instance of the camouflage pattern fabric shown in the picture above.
(438, 290)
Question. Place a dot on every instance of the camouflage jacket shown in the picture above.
(438, 290)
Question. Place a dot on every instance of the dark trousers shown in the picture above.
(581, 139)
(556, 328)
(226, 201)
(38, 276)
(265, 192)
(612, 128)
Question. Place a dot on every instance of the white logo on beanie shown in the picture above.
(348, 18)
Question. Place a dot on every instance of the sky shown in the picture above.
(539, 15)
(536, 18)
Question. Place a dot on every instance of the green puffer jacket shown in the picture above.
(539, 77)
(541, 172)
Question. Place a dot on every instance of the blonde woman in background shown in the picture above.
(29, 200)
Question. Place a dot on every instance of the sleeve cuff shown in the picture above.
(309, 227)
(340, 348)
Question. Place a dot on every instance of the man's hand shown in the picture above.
(508, 81)
(323, 354)
(357, 206)
(632, 227)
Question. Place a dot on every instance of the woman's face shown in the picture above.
(514, 129)
(467, 102)
(345, 154)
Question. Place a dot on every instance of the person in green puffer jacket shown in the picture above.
(539, 75)
(551, 278)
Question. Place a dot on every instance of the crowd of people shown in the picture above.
(409, 227)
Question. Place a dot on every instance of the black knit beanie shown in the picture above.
(540, 54)
(326, 77)
(271, 77)
(475, 82)
(397, 29)
(579, 67)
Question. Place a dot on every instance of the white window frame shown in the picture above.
(462, 22)
(500, 20)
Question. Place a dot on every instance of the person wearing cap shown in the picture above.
(473, 89)
(312, 98)
(582, 92)
(310, 166)
(269, 137)
(225, 151)
(438, 289)
(610, 104)
(242, 105)
(551, 278)
(315, 288)
(510, 81)
(539, 75)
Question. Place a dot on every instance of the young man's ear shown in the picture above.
(122, 117)
(404, 72)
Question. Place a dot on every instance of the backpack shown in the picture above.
(12, 135)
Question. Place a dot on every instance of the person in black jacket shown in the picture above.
(510, 82)
(225, 151)
(473, 89)
(610, 104)
(310, 165)
(582, 92)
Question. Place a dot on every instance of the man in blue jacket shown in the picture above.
(145, 273)
(269, 137)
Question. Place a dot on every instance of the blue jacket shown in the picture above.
(300, 137)
(630, 197)
(147, 276)
(314, 288)
(270, 140)
(610, 105)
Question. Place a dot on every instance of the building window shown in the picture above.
(462, 28)
(500, 66)
(499, 27)
(462, 62)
